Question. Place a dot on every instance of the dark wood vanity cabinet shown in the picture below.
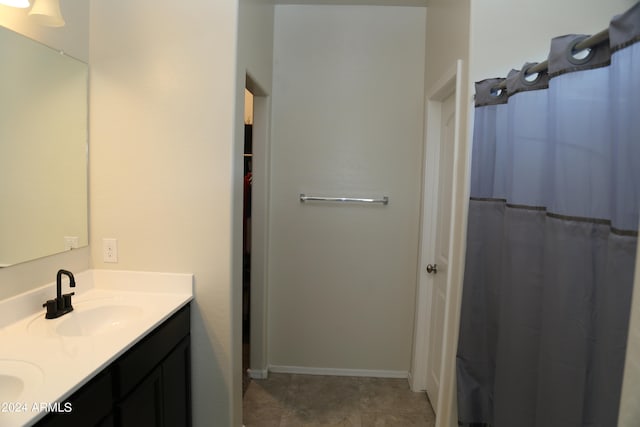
(143, 406)
(149, 385)
(152, 380)
(176, 391)
(92, 405)
(163, 397)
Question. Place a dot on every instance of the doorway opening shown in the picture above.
(255, 231)
(246, 239)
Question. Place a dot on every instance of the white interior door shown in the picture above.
(439, 268)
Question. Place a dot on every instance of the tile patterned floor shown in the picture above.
(286, 400)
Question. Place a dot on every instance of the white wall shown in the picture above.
(163, 108)
(506, 34)
(447, 37)
(347, 120)
(73, 38)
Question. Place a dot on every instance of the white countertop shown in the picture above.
(53, 366)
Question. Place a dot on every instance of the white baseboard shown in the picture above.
(258, 374)
(337, 372)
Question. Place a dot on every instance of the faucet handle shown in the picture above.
(67, 301)
(52, 308)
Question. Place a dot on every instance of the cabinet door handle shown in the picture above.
(432, 269)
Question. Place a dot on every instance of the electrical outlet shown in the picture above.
(110, 250)
(70, 242)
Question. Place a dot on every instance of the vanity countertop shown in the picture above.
(42, 362)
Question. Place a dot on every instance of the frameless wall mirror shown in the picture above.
(43, 150)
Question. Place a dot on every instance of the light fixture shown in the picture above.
(47, 12)
(16, 3)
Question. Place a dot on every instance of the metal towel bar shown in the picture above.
(304, 198)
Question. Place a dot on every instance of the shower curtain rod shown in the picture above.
(587, 43)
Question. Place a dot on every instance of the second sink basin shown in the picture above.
(90, 318)
(16, 377)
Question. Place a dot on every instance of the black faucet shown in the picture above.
(62, 304)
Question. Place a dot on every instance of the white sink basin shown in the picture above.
(17, 377)
(92, 318)
(97, 321)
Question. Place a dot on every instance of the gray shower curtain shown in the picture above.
(552, 236)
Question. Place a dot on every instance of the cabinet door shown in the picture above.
(107, 422)
(143, 407)
(89, 405)
(132, 367)
(176, 378)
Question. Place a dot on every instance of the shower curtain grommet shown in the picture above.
(497, 92)
(572, 52)
(524, 74)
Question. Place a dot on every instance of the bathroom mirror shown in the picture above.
(43, 150)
